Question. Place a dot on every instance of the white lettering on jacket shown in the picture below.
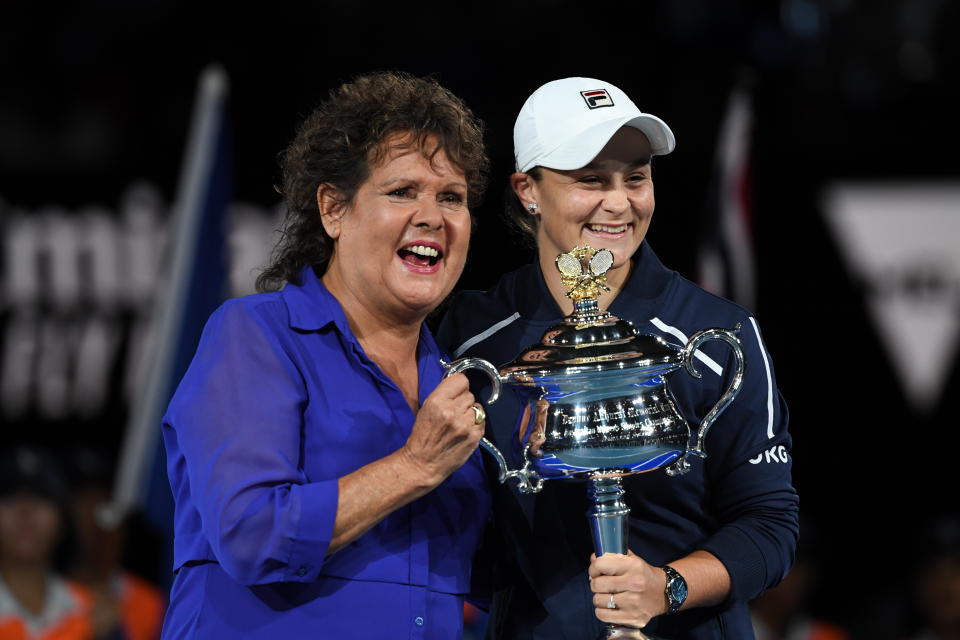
(773, 454)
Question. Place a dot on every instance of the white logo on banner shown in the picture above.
(903, 242)
(77, 298)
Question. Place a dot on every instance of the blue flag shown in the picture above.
(195, 275)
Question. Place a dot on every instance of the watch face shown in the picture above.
(678, 590)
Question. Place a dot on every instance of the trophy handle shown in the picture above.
(527, 479)
(729, 336)
(461, 365)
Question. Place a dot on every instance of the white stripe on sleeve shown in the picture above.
(766, 365)
(483, 335)
(707, 360)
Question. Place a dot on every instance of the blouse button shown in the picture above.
(302, 571)
(418, 621)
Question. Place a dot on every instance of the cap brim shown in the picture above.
(658, 133)
(584, 147)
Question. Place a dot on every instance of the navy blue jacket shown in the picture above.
(738, 504)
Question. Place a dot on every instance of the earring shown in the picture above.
(532, 207)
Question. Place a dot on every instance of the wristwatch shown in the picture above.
(676, 589)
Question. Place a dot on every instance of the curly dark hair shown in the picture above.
(344, 136)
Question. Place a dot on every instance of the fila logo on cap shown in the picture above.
(596, 98)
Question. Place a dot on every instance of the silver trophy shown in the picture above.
(597, 405)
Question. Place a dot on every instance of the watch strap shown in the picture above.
(675, 589)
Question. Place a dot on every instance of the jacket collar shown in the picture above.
(646, 288)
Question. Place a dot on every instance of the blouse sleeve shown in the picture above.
(236, 419)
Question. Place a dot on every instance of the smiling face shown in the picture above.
(606, 204)
(401, 244)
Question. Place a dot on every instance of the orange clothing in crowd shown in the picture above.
(826, 631)
(141, 608)
(65, 616)
(67, 613)
(804, 629)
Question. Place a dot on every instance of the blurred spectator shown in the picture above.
(937, 586)
(782, 613)
(35, 602)
(121, 599)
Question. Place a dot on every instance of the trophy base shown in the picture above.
(590, 462)
(616, 632)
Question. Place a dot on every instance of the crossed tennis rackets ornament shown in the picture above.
(583, 271)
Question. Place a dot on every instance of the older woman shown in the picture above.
(702, 544)
(326, 477)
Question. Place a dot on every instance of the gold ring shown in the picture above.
(479, 415)
(611, 604)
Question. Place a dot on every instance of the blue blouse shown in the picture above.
(279, 402)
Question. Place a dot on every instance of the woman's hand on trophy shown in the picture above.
(447, 430)
(627, 590)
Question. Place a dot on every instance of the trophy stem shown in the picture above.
(586, 307)
(608, 524)
(608, 515)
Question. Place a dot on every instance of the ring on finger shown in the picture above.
(479, 415)
(611, 604)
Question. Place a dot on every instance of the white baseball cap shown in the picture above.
(565, 123)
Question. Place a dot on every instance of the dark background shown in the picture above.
(96, 95)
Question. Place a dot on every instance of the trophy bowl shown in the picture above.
(594, 391)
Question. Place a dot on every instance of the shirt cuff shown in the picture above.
(318, 513)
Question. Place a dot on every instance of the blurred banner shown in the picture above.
(726, 258)
(101, 310)
(78, 307)
(901, 244)
(77, 300)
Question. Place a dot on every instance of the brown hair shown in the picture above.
(344, 136)
(519, 220)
